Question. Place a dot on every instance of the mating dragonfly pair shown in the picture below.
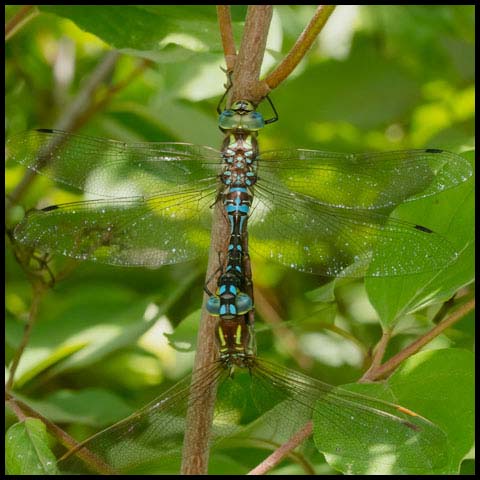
(314, 211)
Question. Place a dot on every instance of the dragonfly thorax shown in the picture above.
(239, 153)
(236, 343)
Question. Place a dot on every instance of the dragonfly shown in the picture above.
(304, 214)
(264, 403)
(149, 204)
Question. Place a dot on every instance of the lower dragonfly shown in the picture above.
(265, 404)
(270, 405)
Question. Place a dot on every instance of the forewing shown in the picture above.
(110, 168)
(363, 181)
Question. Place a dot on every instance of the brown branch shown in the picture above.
(39, 289)
(226, 33)
(298, 51)
(26, 13)
(200, 413)
(280, 453)
(111, 91)
(377, 356)
(385, 369)
(246, 84)
(19, 413)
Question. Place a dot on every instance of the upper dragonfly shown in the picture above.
(319, 212)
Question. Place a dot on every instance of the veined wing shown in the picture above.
(367, 434)
(363, 181)
(307, 235)
(109, 168)
(152, 436)
(280, 401)
(134, 231)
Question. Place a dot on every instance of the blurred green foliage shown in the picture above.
(379, 78)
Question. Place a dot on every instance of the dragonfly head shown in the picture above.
(241, 116)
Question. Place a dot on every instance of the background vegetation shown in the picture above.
(107, 340)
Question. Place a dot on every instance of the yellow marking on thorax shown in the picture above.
(238, 335)
(221, 336)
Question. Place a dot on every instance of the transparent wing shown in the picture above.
(363, 181)
(111, 168)
(277, 403)
(134, 231)
(153, 436)
(310, 236)
(363, 434)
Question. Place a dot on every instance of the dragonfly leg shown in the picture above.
(275, 113)
(219, 269)
(228, 86)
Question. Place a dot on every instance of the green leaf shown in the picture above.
(325, 293)
(147, 30)
(224, 465)
(67, 406)
(27, 450)
(184, 338)
(86, 325)
(319, 116)
(81, 326)
(451, 213)
(447, 377)
(436, 384)
(182, 121)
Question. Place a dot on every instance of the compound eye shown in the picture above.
(228, 119)
(243, 303)
(253, 121)
(213, 306)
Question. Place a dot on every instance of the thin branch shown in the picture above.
(385, 369)
(377, 356)
(200, 413)
(19, 413)
(298, 51)
(347, 335)
(226, 33)
(39, 289)
(26, 13)
(246, 84)
(280, 453)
